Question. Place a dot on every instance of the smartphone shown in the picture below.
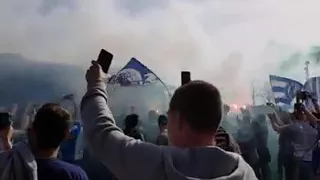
(185, 77)
(105, 59)
(5, 120)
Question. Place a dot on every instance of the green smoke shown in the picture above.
(291, 62)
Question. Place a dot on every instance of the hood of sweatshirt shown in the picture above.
(209, 163)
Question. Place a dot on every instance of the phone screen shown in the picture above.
(185, 77)
(4, 120)
(105, 59)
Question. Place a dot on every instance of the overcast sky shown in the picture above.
(226, 42)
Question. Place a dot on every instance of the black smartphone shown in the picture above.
(5, 120)
(105, 59)
(185, 77)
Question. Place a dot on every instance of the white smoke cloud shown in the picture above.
(226, 42)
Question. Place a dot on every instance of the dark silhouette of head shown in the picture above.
(195, 111)
(131, 121)
(162, 122)
(50, 127)
(226, 109)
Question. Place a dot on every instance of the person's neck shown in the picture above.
(199, 140)
(46, 154)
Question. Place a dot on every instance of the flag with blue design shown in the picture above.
(312, 85)
(134, 74)
(284, 89)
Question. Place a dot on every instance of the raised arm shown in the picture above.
(310, 117)
(13, 110)
(277, 118)
(275, 126)
(28, 116)
(125, 157)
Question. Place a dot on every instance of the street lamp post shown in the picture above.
(306, 69)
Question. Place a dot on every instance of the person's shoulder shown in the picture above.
(4, 155)
(74, 172)
(162, 139)
(243, 170)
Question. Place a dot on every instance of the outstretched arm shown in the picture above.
(312, 119)
(105, 140)
(275, 126)
(13, 110)
(278, 120)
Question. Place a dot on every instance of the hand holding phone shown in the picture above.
(185, 77)
(105, 59)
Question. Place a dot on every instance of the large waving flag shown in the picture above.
(284, 89)
(134, 74)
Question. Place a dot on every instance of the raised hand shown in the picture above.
(13, 110)
(94, 73)
(271, 116)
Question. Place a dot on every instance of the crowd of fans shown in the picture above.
(194, 140)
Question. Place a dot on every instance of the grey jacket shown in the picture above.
(132, 159)
(18, 163)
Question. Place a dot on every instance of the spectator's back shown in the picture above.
(131, 123)
(54, 169)
(50, 127)
(193, 117)
(94, 168)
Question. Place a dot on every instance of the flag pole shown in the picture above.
(164, 85)
(253, 94)
(306, 69)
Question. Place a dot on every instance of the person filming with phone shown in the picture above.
(303, 137)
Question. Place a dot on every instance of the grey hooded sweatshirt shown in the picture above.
(18, 163)
(130, 159)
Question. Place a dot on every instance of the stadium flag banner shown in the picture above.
(134, 73)
(284, 89)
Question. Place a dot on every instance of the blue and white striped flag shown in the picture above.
(284, 89)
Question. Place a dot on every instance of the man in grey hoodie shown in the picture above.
(193, 117)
